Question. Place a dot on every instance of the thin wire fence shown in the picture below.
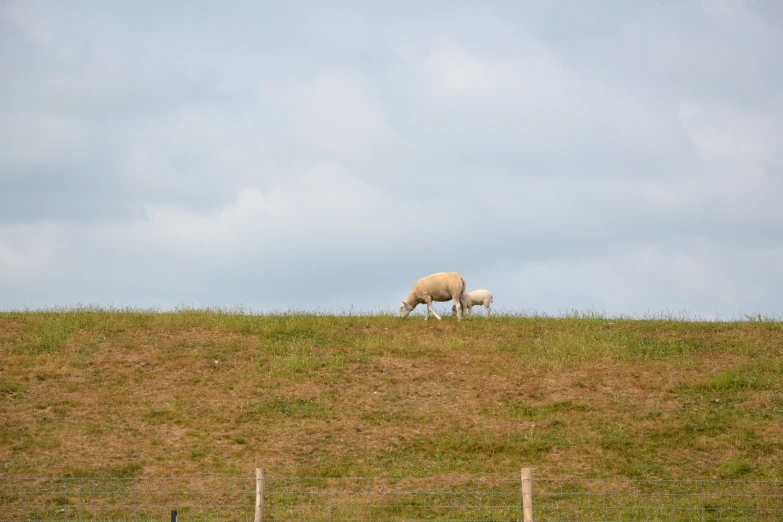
(376, 499)
(126, 499)
(395, 499)
(657, 500)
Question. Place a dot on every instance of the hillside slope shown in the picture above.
(121, 394)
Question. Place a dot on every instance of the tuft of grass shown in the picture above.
(48, 334)
(10, 388)
(735, 468)
(746, 378)
(124, 471)
(296, 407)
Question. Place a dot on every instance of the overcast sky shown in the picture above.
(620, 156)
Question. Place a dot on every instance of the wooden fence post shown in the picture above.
(260, 476)
(527, 494)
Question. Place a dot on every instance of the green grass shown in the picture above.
(208, 392)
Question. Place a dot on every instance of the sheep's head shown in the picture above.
(464, 306)
(405, 309)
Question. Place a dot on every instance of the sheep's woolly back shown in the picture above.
(442, 286)
(479, 297)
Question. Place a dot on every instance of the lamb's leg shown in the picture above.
(487, 305)
(429, 307)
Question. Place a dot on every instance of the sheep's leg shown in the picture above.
(458, 306)
(487, 305)
(430, 309)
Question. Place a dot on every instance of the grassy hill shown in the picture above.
(125, 394)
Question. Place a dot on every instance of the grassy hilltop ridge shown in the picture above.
(122, 393)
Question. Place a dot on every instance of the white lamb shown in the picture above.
(440, 287)
(476, 297)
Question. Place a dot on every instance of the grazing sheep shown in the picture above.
(476, 297)
(442, 286)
